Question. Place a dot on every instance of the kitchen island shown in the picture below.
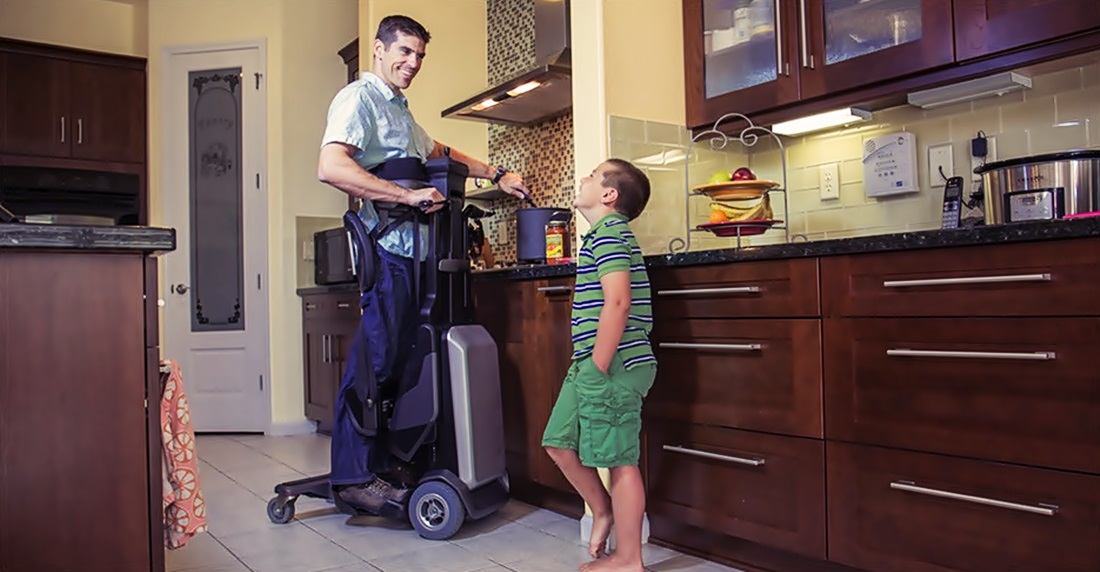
(922, 401)
(80, 446)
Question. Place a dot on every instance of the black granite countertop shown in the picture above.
(147, 239)
(349, 287)
(998, 234)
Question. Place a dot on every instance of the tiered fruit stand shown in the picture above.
(730, 195)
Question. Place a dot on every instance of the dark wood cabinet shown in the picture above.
(760, 374)
(912, 512)
(772, 288)
(73, 105)
(329, 324)
(350, 55)
(79, 420)
(984, 27)
(763, 488)
(1020, 390)
(529, 321)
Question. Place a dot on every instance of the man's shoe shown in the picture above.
(372, 496)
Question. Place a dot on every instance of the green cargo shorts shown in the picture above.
(599, 415)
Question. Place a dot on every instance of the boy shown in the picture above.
(597, 418)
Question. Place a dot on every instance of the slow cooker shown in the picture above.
(1041, 187)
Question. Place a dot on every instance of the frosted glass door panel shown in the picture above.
(855, 28)
(739, 45)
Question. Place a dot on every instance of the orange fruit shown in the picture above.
(718, 216)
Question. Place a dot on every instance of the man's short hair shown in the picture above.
(632, 184)
(391, 25)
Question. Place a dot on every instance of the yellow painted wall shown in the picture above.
(454, 69)
(303, 73)
(644, 59)
(99, 25)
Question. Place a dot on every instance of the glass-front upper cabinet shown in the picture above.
(850, 43)
(742, 55)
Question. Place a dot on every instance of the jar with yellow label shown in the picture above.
(555, 241)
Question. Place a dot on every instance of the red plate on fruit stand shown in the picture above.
(747, 227)
(736, 190)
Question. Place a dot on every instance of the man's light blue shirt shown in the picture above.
(369, 116)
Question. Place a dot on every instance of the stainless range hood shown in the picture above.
(535, 94)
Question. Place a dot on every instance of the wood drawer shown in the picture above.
(759, 487)
(763, 375)
(1054, 278)
(914, 512)
(774, 288)
(1022, 390)
(331, 304)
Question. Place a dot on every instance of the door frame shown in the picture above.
(259, 327)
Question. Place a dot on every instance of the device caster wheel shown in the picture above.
(436, 510)
(280, 510)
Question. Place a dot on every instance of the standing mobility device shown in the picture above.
(444, 417)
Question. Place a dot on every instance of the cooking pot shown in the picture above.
(1041, 187)
(531, 232)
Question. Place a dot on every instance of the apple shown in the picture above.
(743, 174)
(719, 177)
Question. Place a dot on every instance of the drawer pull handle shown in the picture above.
(343, 305)
(311, 306)
(967, 280)
(730, 347)
(701, 291)
(1032, 356)
(715, 456)
(909, 486)
(554, 289)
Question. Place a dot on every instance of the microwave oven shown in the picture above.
(332, 257)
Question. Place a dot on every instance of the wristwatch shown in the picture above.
(499, 174)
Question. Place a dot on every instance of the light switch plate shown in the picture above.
(829, 182)
(939, 156)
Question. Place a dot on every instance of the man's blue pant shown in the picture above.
(386, 335)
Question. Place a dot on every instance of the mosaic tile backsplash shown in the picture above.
(542, 152)
(1060, 112)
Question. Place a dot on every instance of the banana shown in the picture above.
(762, 210)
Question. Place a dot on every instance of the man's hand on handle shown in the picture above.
(427, 195)
(512, 183)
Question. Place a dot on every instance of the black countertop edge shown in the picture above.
(1020, 232)
(152, 240)
(348, 287)
(996, 234)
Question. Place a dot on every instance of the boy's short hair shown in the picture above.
(632, 184)
(391, 25)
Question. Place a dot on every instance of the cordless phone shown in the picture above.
(952, 202)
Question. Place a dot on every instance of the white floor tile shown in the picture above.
(440, 557)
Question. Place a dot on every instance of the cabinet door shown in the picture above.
(36, 116)
(910, 512)
(320, 390)
(552, 353)
(739, 56)
(984, 27)
(107, 113)
(1019, 390)
(763, 488)
(853, 43)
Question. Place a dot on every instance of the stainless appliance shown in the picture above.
(531, 232)
(1041, 187)
(332, 257)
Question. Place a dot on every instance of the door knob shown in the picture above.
(180, 289)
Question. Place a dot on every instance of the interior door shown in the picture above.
(215, 315)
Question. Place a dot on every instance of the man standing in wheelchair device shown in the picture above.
(369, 124)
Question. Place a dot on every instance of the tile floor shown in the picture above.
(238, 472)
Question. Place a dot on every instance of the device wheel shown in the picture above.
(280, 510)
(436, 510)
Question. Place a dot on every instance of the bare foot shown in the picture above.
(601, 529)
(612, 563)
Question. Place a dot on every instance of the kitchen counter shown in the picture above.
(999, 234)
(87, 237)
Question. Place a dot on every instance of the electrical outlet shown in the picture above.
(940, 157)
(990, 156)
(829, 182)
